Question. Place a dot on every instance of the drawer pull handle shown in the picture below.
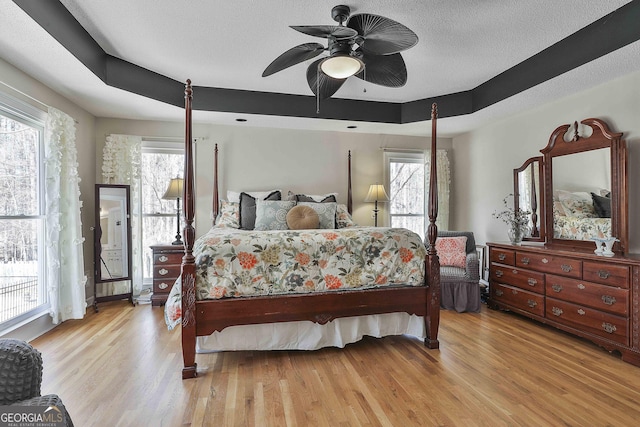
(566, 268)
(545, 261)
(608, 299)
(608, 327)
(514, 271)
(514, 291)
(557, 311)
(163, 258)
(532, 281)
(603, 274)
(499, 273)
(526, 260)
(163, 271)
(531, 303)
(581, 286)
(499, 292)
(163, 286)
(556, 287)
(502, 257)
(581, 312)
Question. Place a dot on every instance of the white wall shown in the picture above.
(85, 129)
(262, 159)
(486, 157)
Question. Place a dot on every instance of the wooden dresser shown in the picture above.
(591, 296)
(166, 269)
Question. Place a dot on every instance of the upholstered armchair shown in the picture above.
(21, 377)
(459, 271)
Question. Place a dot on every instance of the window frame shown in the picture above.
(403, 156)
(20, 111)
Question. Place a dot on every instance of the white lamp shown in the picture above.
(341, 66)
(376, 194)
(174, 191)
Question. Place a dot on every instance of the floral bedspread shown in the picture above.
(238, 263)
(571, 227)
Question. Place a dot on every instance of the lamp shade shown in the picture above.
(174, 191)
(377, 193)
(341, 66)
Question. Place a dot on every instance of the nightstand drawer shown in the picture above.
(163, 286)
(167, 258)
(166, 271)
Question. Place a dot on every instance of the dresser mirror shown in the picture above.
(112, 243)
(528, 195)
(586, 185)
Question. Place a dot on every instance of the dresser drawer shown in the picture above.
(518, 298)
(167, 258)
(601, 297)
(502, 256)
(608, 274)
(163, 286)
(605, 325)
(520, 277)
(550, 264)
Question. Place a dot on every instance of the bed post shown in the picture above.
(432, 263)
(188, 269)
(349, 193)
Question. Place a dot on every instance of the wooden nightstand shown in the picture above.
(166, 269)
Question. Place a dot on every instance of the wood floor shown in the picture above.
(121, 367)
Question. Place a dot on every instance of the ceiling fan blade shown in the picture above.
(293, 56)
(384, 70)
(322, 85)
(326, 31)
(382, 36)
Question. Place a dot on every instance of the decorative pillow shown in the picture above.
(602, 205)
(302, 218)
(248, 209)
(234, 196)
(343, 218)
(326, 212)
(229, 215)
(452, 251)
(323, 198)
(272, 214)
(578, 204)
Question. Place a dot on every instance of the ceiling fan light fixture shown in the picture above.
(341, 66)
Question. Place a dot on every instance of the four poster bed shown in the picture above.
(315, 295)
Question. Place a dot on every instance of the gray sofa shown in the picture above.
(460, 287)
(21, 378)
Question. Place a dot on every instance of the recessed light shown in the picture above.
(241, 120)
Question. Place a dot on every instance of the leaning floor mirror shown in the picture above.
(112, 244)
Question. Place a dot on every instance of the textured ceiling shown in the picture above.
(462, 44)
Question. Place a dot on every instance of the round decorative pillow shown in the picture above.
(302, 218)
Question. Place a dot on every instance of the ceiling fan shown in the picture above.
(368, 47)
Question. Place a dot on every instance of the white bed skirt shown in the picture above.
(305, 335)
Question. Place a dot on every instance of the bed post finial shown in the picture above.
(432, 263)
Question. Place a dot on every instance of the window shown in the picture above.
(22, 256)
(405, 172)
(161, 161)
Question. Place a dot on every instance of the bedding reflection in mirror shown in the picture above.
(582, 195)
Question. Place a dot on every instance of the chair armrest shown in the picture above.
(473, 266)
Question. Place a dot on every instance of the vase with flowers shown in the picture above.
(516, 219)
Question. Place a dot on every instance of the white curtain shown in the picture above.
(65, 261)
(121, 164)
(444, 182)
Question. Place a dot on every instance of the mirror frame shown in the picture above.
(97, 241)
(538, 214)
(601, 137)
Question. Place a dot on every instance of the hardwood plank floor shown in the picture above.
(121, 367)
